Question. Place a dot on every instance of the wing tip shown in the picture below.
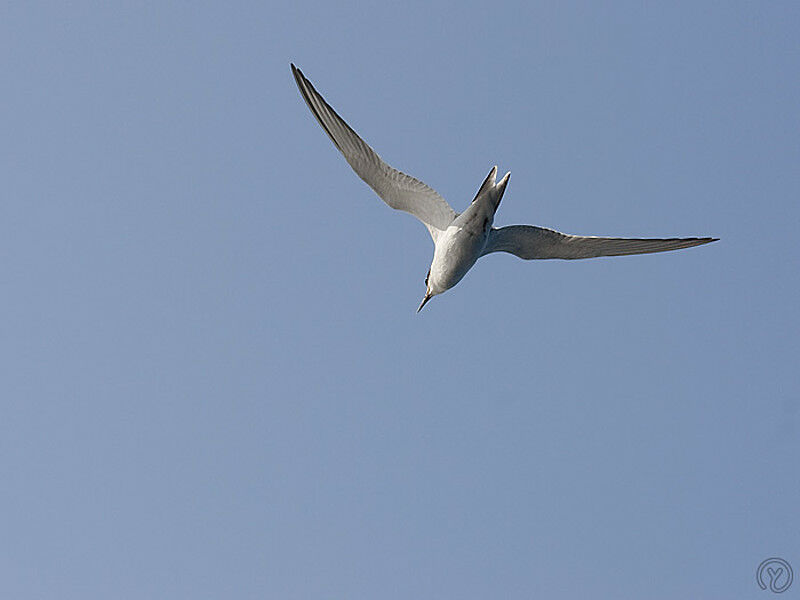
(704, 240)
(298, 75)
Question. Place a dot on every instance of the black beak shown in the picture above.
(427, 297)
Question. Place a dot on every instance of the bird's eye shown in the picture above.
(427, 276)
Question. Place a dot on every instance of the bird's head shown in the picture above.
(430, 290)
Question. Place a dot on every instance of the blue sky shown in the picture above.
(214, 381)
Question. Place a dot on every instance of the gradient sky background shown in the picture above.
(214, 381)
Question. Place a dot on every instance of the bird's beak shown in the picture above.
(427, 297)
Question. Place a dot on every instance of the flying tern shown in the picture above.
(461, 239)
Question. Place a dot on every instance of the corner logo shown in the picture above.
(775, 574)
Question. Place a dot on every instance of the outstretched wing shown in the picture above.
(529, 242)
(398, 190)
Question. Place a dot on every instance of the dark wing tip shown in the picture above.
(307, 90)
(298, 74)
(299, 78)
(705, 240)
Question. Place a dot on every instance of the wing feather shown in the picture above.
(531, 242)
(398, 190)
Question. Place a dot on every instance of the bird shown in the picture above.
(460, 239)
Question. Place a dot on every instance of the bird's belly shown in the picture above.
(455, 254)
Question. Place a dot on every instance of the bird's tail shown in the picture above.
(496, 193)
(488, 183)
(493, 190)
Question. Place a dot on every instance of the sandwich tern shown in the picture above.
(461, 239)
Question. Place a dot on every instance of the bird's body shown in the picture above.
(458, 249)
(461, 245)
(461, 239)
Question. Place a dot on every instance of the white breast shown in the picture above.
(456, 251)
